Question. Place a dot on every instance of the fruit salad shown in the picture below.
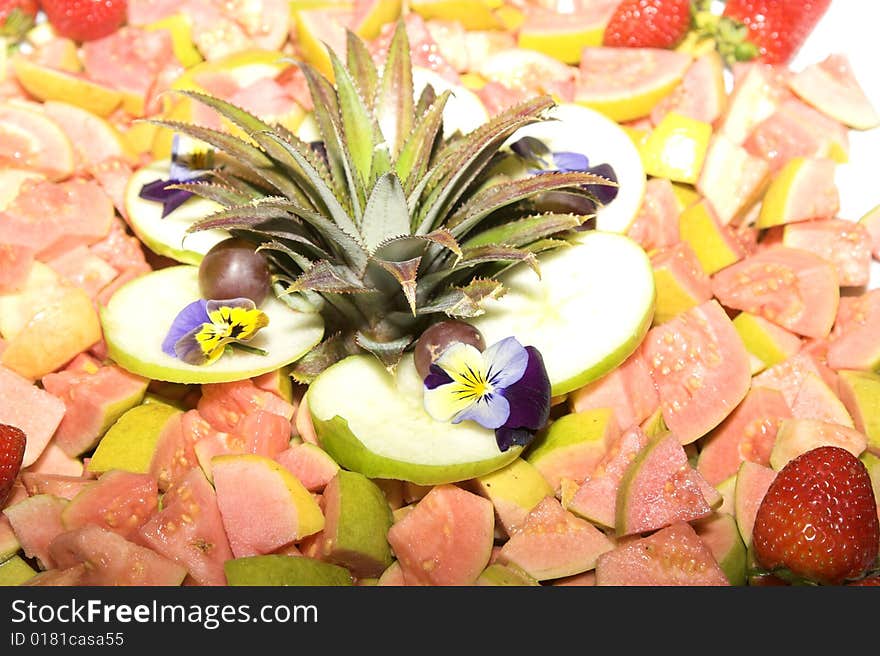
(441, 293)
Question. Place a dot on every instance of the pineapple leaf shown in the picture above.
(394, 103)
(389, 352)
(463, 161)
(497, 196)
(361, 65)
(219, 193)
(238, 149)
(245, 216)
(326, 114)
(464, 302)
(478, 255)
(426, 99)
(405, 274)
(548, 245)
(386, 214)
(357, 124)
(298, 258)
(327, 197)
(324, 276)
(523, 232)
(329, 352)
(415, 155)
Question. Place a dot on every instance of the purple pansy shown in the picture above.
(179, 171)
(505, 388)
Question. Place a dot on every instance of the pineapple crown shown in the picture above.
(389, 225)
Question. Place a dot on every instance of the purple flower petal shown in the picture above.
(604, 193)
(530, 148)
(566, 161)
(529, 398)
(490, 411)
(508, 437)
(188, 319)
(188, 349)
(159, 192)
(506, 362)
(436, 378)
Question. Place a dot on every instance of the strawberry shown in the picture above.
(85, 20)
(777, 28)
(17, 17)
(868, 581)
(12, 443)
(818, 519)
(648, 24)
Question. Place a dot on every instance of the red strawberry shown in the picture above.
(12, 443)
(17, 17)
(872, 581)
(819, 519)
(85, 20)
(778, 28)
(648, 24)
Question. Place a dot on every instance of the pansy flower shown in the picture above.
(203, 330)
(543, 160)
(504, 388)
(184, 168)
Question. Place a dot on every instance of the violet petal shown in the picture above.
(437, 377)
(188, 319)
(566, 161)
(489, 411)
(529, 398)
(507, 361)
(508, 437)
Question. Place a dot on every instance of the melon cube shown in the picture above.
(36, 522)
(16, 261)
(35, 411)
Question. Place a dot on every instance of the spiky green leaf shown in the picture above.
(357, 124)
(361, 65)
(464, 302)
(405, 274)
(523, 232)
(386, 214)
(389, 351)
(415, 155)
(221, 194)
(394, 102)
(324, 276)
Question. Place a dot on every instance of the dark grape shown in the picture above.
(233, 269)
(439, 336)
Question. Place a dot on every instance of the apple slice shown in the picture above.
(138, 316)
(168, 236)
(580, 129)
(587, 312)
(383, 430)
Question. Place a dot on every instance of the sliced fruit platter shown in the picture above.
(497, 293)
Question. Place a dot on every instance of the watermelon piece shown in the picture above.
(9, 544)
(674, 555)
(797, 130)
(656, 224)
(357, 519)
(788, 376)
(714, 243)
(752, 482)
(111, 560)
(553, 543)
(145, 54)
(53, 218)
(35, 141)
(224, 404)
(596, 498)
(53, 460)
(797, 436)
(68, 577)
(287, 512)
(94, 396)
(795, 289)
(446, 539)
(261, 433)
(628, 390)
(94, 139)
(701, 94)
(57, 485)
(747, 434)
(514, 491)
(36, 522)
(35, 411)
(859, 391)
(660, 488)
(16, 261)
(768, 343)
(831, 87)
(310, 464)
(679, 281)
(83, 269)
(845, 244)
(121, 250)
(816, 400)
(118, 501)
(720, 533)
(278, 570)
(757, 92)
(854, 343)
(189, 529)
(700, 368)
(572, 446)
